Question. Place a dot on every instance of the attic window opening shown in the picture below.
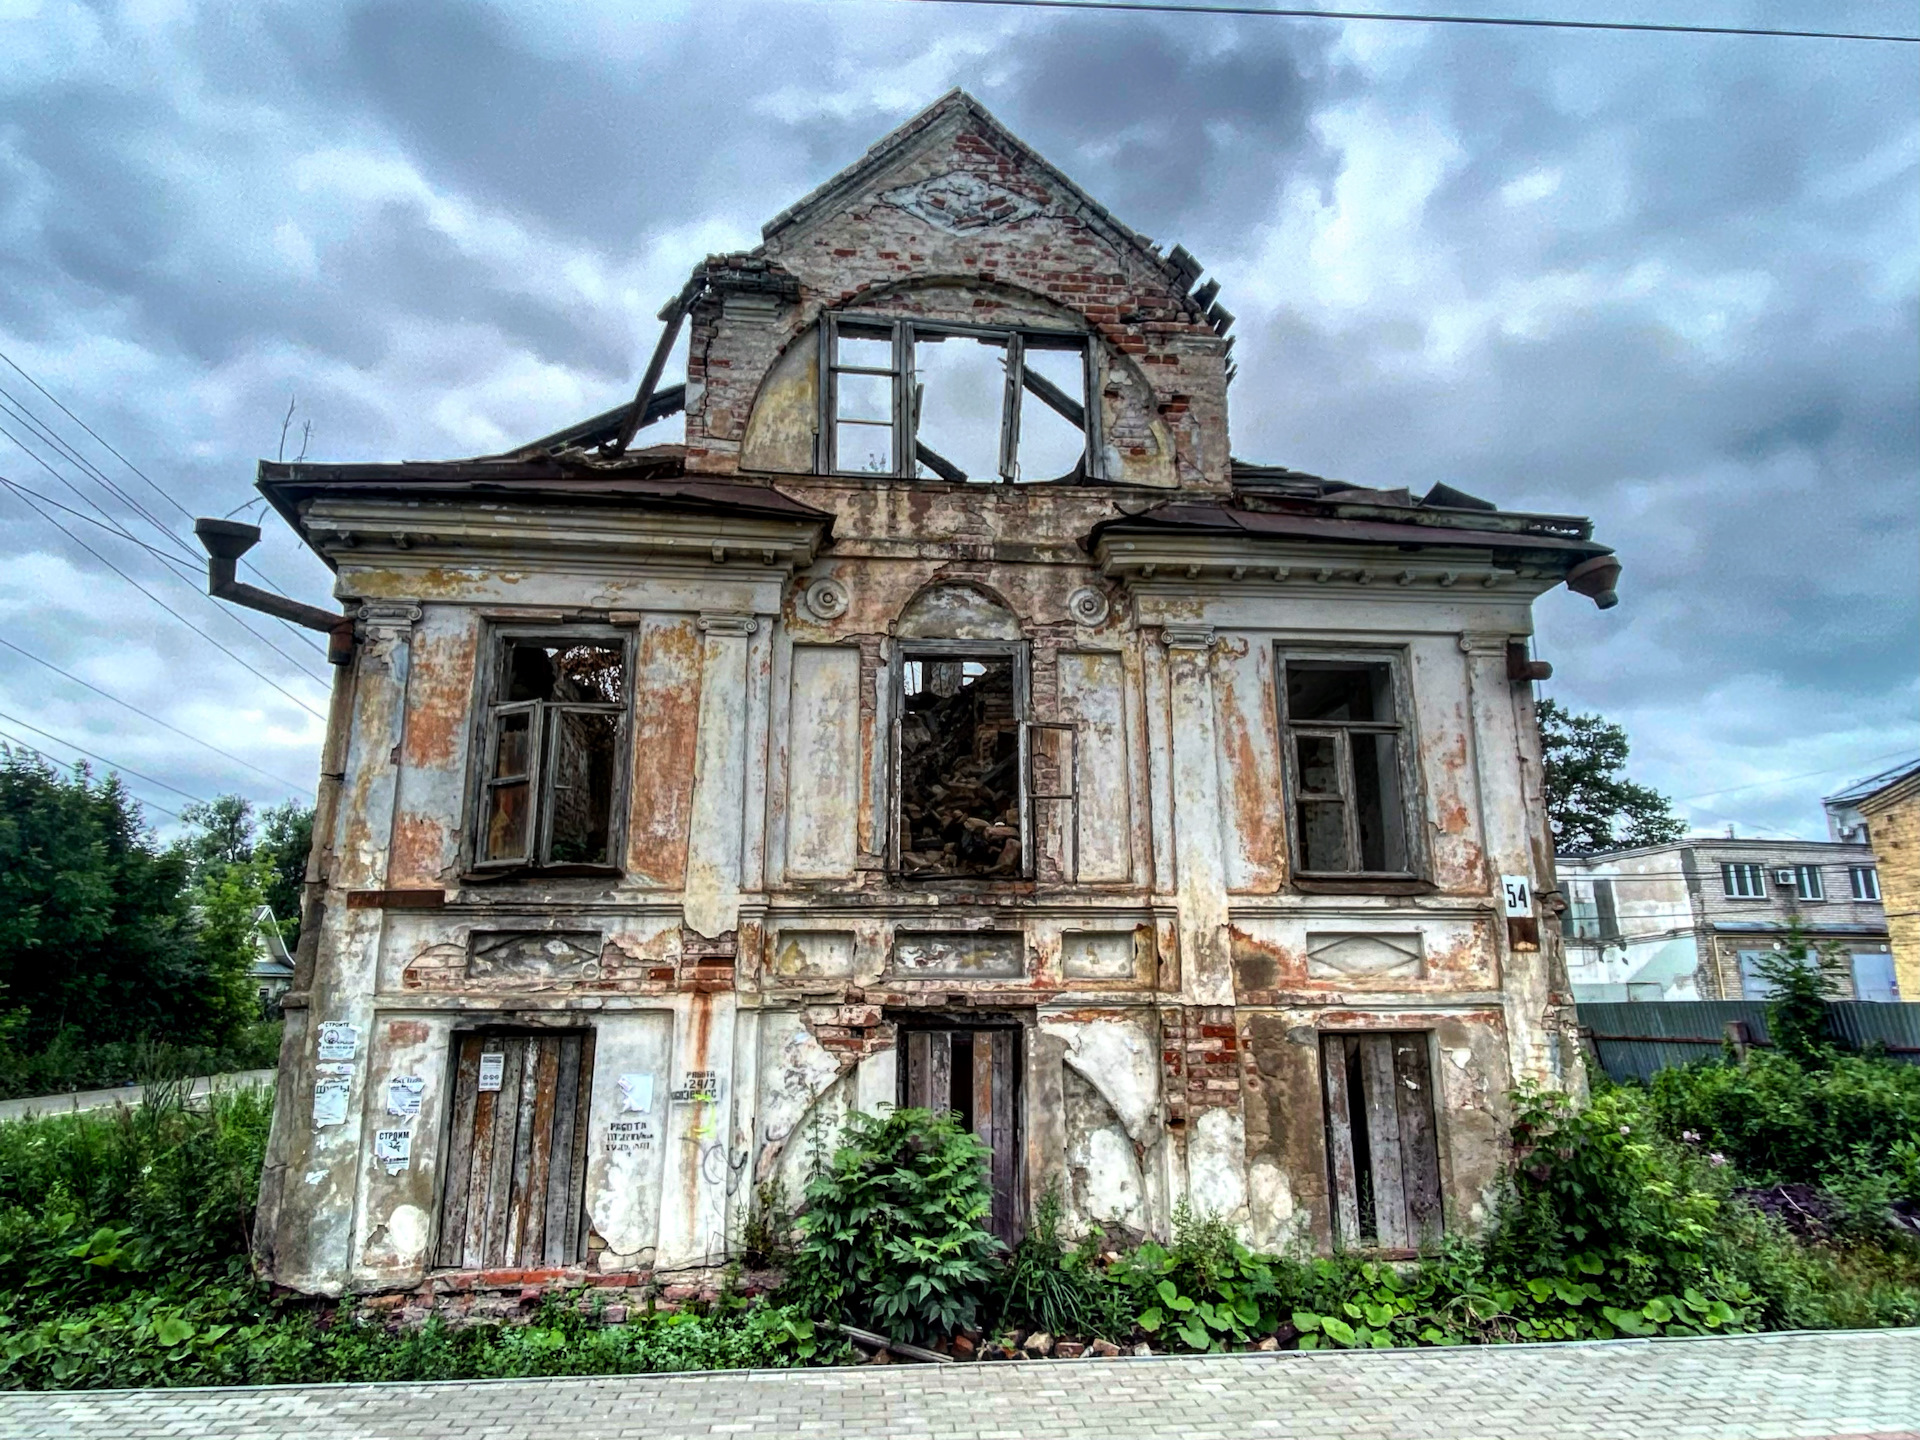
(960, 403)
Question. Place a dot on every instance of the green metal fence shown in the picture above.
(1635, 1039)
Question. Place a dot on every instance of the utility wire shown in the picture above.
(88, 685)
(264, 678)
(1807, 775)
(117, 533)
(113, 524)
(1530, 23)
(123, 769)
(13, 406)
(158, 490)
(60, 764)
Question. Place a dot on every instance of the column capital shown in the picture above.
(716, 623)
(1187, 637)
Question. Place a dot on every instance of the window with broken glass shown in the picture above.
(961, 756)
(961, 403)
(554, 752)
(1349, 771)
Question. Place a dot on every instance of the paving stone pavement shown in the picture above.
(1855, 1385)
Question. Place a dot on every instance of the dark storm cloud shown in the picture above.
(1670, 285)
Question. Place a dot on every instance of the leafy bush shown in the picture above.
(1205, 1292)
(1799, 975)
(1781, 1122)
(891, 1226)
(1046, 1286)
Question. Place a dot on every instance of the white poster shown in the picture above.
(338, 1040)
(403, 1094)
(636, 1093)
(493, 1069)
(330, 1099)
(393, 1149)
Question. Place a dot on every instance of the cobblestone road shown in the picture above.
(1853, 1385)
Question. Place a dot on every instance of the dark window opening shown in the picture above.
(553, 753)
(960, 780)
(960, 403)
(1350, 803)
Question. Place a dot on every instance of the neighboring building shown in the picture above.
(272, 968)
(1845, 821)
(1889, 808)
(1172, 819)
(1691, 920)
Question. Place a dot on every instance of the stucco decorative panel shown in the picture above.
(823, 775)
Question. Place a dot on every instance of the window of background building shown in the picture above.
(1744, 882)
(1866, 882)
(1807, 882)
(1347, 767)
(553, 751)
(1591, 911)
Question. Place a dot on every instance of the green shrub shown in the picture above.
(1780, 1122)
(1046, 1286)
(891, 1231)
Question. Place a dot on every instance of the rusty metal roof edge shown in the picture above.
(535, 482)
(1374, 527)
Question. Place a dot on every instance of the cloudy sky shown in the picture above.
(1669, 282)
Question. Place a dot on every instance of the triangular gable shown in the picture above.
(921, 132)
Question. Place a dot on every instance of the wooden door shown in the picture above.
(974, 1072)
(515, 1195)
(1383, 1155)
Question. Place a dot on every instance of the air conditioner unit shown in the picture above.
(1783, 876)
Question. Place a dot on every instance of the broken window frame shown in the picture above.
(1400, 727)
(908, 451)
(542, 727)
(1020, 653)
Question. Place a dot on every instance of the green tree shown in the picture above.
(285, 837)
(1800, 975)
(95, 936)
(222, 832)
(1591, 804)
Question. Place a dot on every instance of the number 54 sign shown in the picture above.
(1516, 892)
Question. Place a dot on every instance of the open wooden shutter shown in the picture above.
(515, 1186)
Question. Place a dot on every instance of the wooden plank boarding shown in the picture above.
(1419, 1143)
(506, 1128)
(1383, 1143)
(530, 1199)
(1346, 1188)
(576, 1229)
(1006, 1136)
(458, 1171)
(940, 1071)
(917, 1050)
(552, 1197)
(479, 1175)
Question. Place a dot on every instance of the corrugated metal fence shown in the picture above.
(1634, 1040)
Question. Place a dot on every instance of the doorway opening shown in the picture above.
(974, 1071)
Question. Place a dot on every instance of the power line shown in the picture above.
(118, 534)
(267, 679)
(148, 480)
(123, 769)
(1783, 779)
(88, 685)
(1264, 12)
(58, 763)
(12, 406)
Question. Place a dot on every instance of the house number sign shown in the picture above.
(1517, 893)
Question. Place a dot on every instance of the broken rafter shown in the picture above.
(673, 316)
(1054, 396)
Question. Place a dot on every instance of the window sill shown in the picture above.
(1363, 885)
(542, 872)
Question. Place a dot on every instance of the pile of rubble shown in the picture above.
(959, 771)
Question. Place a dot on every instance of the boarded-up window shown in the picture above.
(1382, 1155)
(517, 1164)
(974, 1072)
